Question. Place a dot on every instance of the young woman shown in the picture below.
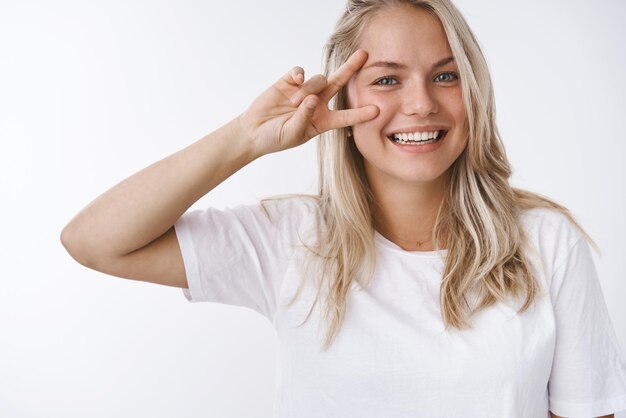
(438, 289)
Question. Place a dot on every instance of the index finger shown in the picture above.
(344, 73)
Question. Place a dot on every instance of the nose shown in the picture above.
(419, 100)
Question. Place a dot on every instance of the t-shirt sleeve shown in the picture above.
(588, 377)
(238, 256)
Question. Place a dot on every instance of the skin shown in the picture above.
(125, 233)
(407, 187)
(128, 230)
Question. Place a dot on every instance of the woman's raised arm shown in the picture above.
(128, 230)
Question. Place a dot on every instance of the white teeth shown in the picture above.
(417, 136)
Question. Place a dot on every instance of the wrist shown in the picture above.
(240, 134)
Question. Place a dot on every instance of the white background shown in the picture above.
(92, 92)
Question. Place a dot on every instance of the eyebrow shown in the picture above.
(398, 66)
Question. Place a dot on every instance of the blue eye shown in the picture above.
(453, 74)
(385, 81)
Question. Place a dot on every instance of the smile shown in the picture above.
(418, 137)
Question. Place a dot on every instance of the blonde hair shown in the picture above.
(479, 218)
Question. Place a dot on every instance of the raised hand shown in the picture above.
(292, 111)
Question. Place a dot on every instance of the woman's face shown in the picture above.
(409, 75)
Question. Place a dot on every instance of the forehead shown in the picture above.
(406, 32)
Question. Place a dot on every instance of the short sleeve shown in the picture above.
(238, 256)
(588, 376)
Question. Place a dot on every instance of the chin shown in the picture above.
(421, 174)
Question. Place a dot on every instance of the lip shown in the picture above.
(411, 129)
(419, 149)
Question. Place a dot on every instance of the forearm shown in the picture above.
(142, 207)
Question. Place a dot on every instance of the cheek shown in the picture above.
(461, 117)
(367, 146)
(454, 108)
(363, 98)
(359, 96)
(457, 107)
(385, 106)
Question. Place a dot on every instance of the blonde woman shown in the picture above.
(417, 282)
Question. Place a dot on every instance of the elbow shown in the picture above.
(74, 248)
(66, 240)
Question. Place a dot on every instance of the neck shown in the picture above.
(405, 214)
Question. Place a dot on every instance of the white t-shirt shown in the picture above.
(392, 356)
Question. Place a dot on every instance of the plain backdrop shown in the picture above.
(92, 92)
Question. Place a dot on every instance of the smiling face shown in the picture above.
(411, 76)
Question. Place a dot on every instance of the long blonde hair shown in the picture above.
(479, 218)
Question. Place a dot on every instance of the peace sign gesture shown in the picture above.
(292, 111)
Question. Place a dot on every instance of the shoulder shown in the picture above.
(292, 206)
(546, 222)
(293, 216)
(553, 233)
(267, 215)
